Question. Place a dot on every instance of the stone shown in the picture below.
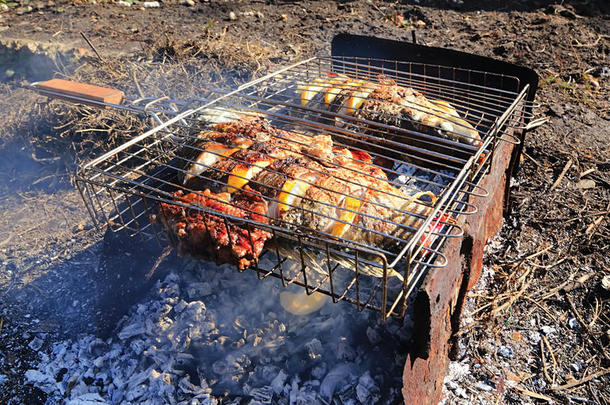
(585, 184)
(606, 282)
(151, 4)
(505, 351)
(232, 16)
(188, 3)
(483, 387)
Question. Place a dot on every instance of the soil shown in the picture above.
(535, 329)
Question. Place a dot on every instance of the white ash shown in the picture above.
(409, 176)
(210, 335)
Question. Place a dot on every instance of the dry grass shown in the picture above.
(168, 67)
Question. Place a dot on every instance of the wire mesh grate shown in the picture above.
(367, 162)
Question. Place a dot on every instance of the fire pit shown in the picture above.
(426, 274)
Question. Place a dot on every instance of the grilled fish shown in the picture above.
(388, 103)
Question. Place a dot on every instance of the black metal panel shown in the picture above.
(365, 46)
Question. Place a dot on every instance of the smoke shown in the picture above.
(211, 334)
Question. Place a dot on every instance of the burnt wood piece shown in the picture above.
(439, 303)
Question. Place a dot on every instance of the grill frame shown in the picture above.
(460, 190)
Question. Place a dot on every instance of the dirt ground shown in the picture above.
(537, 327)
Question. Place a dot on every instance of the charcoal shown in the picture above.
(294, 391)
(135, 393)
(345, 350)
(336, 378)
(278, 382)
(347, 394)
(43, 381)
(314, 349)
(199, 290)
(308, 394)
(36, 344)
(262, 395)
(131, 330)
(87, 399)
(137, 345)
(367, 390)
(373, 336)
(226, 342)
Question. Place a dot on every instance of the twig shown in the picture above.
(7, 240)
(542, 359)
(516, 296)
(536, 304)
(593, 225)
(575, 311)
(586, 328)
(533, 394)
(531, 158)
(92, 47)
(548, 266)
(567, 285)
(135, 80)
(563, 173)
(582, 380)
(164, 254)
(591, 170)
(510, 277)
(482, 363)
(548, 346)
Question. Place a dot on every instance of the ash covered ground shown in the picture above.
(535, 329)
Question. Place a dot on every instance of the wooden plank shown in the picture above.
(82, 90)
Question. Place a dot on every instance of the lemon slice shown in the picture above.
(214, 152)
(356, 100)
(291, 192)
(332, 92)
(308, 92)
(352, 204)
(242, 174)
